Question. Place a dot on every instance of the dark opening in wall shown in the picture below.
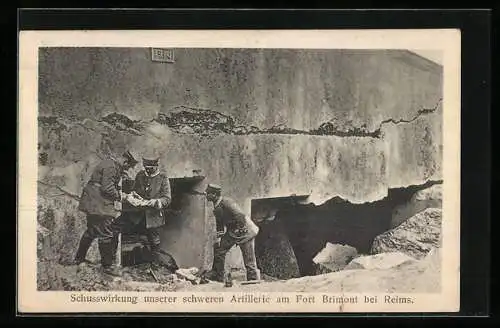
(183, 217)
(298, 230)
(274, 252)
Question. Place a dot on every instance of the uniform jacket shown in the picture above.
(230, 216)
(102, 190)
(153, 187)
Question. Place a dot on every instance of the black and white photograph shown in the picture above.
(227, 169)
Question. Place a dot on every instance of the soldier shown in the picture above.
(152, 188)
(233, 228)
(101, 201)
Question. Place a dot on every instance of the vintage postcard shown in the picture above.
(239, 171)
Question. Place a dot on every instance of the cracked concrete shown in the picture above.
(321, 158)
(329, 128)
(262, 123)
(203, 121)
(265, 88)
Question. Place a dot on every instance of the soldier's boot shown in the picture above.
(253, 274)
(106, 250)
(83, 248)
(217, 272)
(166, 260)
(114, 248)
(155, 256)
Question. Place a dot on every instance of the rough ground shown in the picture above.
(90, 278)
(422, 276)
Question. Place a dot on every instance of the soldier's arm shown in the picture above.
(219, 226)
(236, 212)
(109, 182)
(138, 185)
(165, 192)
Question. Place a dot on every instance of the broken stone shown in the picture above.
(379, 262)
(415, 237)
(334, 257)
(422, 199)
(189, 274)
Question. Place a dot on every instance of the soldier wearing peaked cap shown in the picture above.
(153, 186)
(234, 227)
(100, 200)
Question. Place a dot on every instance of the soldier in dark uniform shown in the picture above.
(153, 186)
(233, 228)
(101, 201)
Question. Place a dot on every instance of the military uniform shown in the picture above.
(150, 219)
(235, 228)
(99, 200)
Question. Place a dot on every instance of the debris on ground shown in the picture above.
(334, 257)
(423, 276)
(409, 276)
(189, 275)
(379, 261)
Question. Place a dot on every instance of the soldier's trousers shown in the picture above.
(124, 225)
(247, 251)
(159, 257)
(99, 227)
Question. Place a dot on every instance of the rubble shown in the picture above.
(334, 257)
(330, 144)
(415, 237)
(89, 277)
(189, 275)
(379, 261)
(422, 276)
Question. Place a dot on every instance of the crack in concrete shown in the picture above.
(421, 112)
(207, 122)
(194, 120)
(328, 128)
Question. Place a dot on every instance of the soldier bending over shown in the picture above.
(233, 228)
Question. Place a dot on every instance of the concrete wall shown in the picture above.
(263, 87)
(393, 92)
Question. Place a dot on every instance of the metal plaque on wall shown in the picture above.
(162, 55)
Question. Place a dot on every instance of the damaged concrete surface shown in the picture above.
(262, 123)
(300, 89)
(356, 169)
